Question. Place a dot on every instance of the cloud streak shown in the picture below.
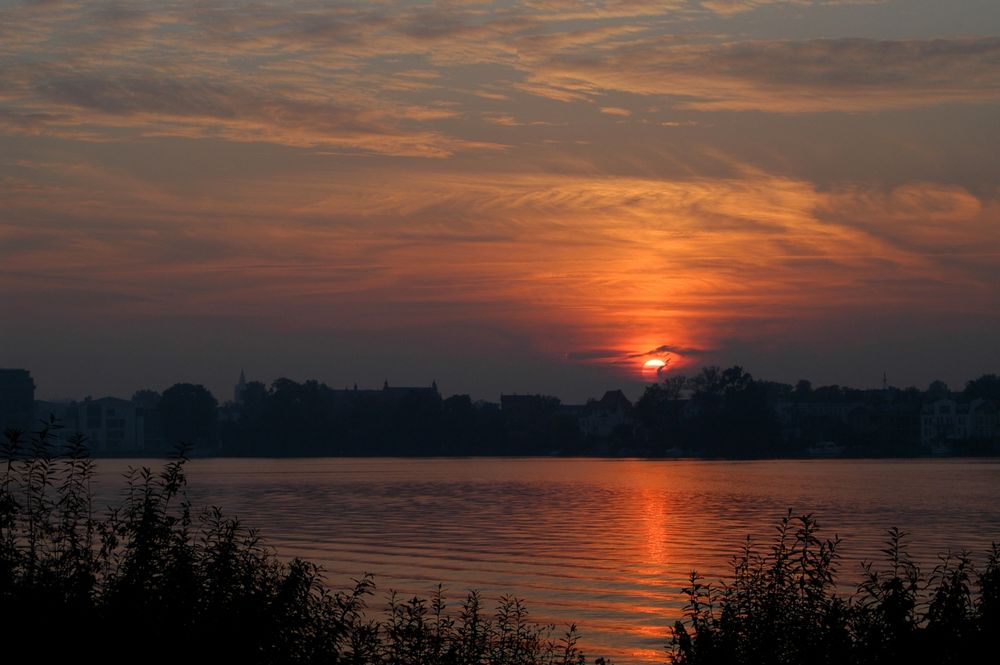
(615, 265)
(308, 76)
(787, 76)
(670, 348)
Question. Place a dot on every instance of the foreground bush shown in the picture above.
(782, 608)
(151, 581)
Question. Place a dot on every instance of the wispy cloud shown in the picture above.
(786, 76)
(617, 265)
(373, 78)
(668, 349)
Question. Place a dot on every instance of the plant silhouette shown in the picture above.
(781, 607)
(154, 580)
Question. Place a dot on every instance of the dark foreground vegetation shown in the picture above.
(781, 607)
(150, 580)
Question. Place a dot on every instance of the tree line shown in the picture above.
(715, 412)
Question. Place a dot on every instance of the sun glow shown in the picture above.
(653, 369)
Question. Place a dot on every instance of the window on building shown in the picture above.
(93, 416)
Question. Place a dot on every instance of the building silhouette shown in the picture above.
(397, 393)
(17, 400)
(111, 425)
(601, 418)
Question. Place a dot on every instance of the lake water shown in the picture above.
(606, 544)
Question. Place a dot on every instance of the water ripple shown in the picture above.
(604, 543)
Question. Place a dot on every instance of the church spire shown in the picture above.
(240, 388)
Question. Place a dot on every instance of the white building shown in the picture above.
(946, 421)
(111, 425)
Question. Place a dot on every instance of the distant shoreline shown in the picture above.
(682, 458)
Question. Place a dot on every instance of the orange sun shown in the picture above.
(653, 369)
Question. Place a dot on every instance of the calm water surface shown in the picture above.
(604, 543)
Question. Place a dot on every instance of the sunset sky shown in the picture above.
(504, 196)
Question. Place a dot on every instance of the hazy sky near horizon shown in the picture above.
(502, 196)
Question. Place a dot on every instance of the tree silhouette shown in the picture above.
(189, 413)
(985, 387)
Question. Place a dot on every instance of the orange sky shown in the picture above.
(502, 196)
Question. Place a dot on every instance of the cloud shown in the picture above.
(593, 268)
(618, 357)
(198, 108)
(391, 80)
(728, 7)
(930, 218)
(594, 354)
(787, 76)
(502, 119)
(670, 348)
(220, 74)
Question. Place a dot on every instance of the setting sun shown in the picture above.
(653, 367)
